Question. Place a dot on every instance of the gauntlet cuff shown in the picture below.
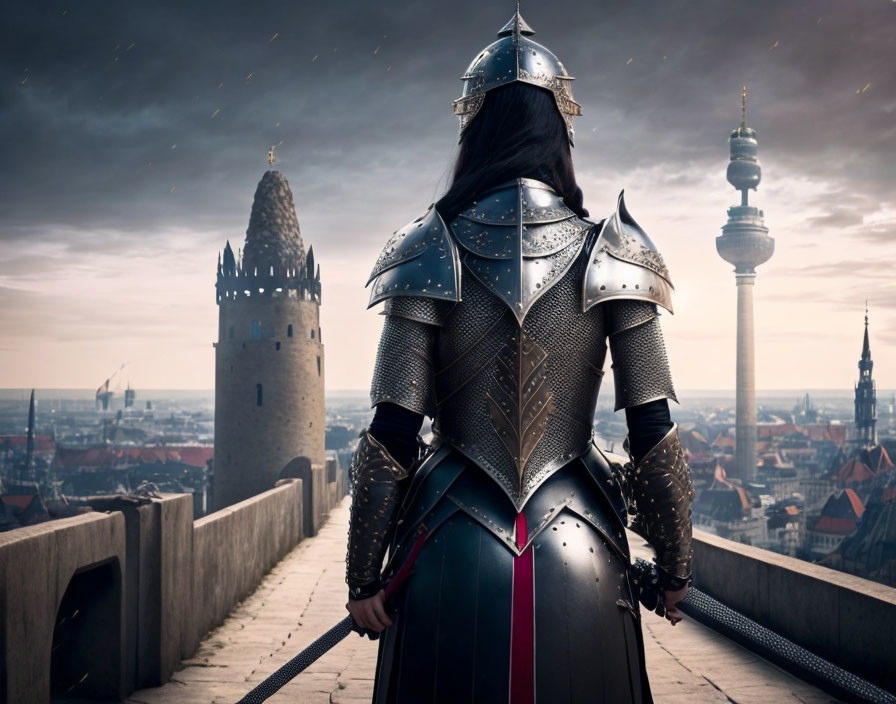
(375, 477)
(660, 493)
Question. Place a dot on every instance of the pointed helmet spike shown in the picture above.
(517, 25)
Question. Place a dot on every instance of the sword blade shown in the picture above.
(299, 662)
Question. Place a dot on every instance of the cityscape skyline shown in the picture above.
(135, 233)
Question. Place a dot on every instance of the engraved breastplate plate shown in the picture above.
(519, 400)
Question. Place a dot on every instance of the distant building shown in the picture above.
(269, 357)
(870, 552)
(866, 397)
(838, 519)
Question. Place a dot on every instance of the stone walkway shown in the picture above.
(305, 594)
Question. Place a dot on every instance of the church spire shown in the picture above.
(866, 347)
(866, 395)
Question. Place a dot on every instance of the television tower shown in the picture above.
(745, 243)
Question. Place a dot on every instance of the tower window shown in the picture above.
(255, 330)
(289, 330)
(312, 333)
(318, 366)
(258, 394)
(277, 345)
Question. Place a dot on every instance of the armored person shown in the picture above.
(501, 302)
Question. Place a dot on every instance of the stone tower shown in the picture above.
(745, 244)
(269, 357)
(866, 397)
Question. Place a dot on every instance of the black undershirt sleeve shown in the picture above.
(396, 428)
(648, 423)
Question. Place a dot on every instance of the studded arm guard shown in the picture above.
(376, 492)
(659, 492)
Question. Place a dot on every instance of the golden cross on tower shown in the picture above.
(271, 155)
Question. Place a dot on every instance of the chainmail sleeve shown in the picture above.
(640, 367)
(403, 373)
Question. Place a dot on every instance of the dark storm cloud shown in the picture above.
(137, 117)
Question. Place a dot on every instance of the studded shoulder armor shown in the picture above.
(421, 260)
(624, 263)
(519, 239)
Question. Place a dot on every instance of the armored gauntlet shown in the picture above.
(660, 492)
(375, 478)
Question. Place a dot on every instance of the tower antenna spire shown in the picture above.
(743, 107)
(271, 155)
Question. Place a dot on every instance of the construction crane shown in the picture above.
(105, 392)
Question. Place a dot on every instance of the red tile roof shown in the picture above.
(840, 526)
(854, 470)
(855, 502)
(42, 443)
(110, 457)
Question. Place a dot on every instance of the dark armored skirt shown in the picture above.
(511, 607)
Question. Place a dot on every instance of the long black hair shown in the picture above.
(517, 133)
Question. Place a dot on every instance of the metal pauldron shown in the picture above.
(659, 493)
(375, 477)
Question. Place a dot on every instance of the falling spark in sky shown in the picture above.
(276, 34)
(820, 19)
(221, 84)
(64, 13)
(277, 124)
(315, 58)
(173, 147)
(629, 61)
(774, 46)
(215, 113)
(389, 68)
(132, 45)
(172, 189)
(376, 51)
(250, 75)
(863, 88)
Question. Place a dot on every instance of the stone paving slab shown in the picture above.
(304, 595)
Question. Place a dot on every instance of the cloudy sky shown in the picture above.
(132, 136)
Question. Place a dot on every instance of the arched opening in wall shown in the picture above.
(86, 654)
(255, 330)
(312, 333)
(318, 366)
(289, 330)
(300, 468)
(277, 346)
(259, 394)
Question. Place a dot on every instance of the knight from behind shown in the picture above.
(501, 304)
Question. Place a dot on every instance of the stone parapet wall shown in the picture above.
(233, 549)
(138, 587)
(845, 619)
(37, 565)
